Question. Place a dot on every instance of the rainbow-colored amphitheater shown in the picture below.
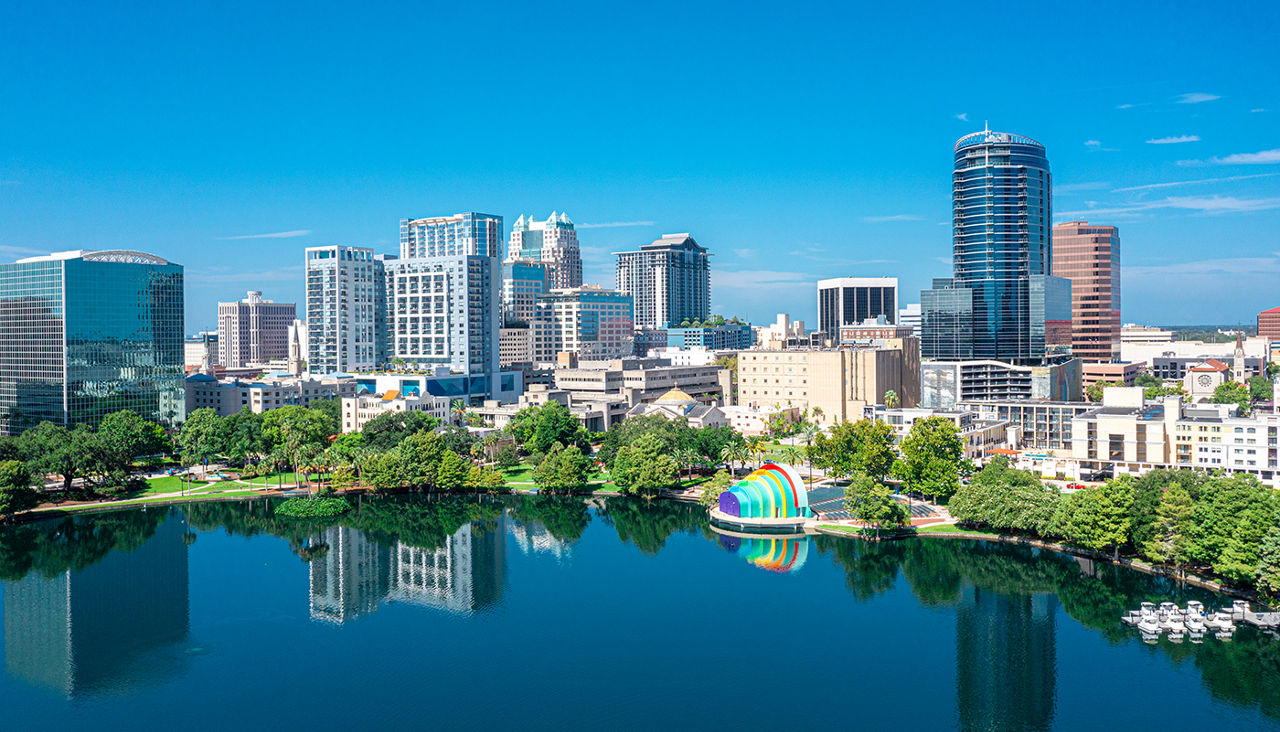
(773, 491)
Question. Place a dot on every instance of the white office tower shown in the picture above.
(344, 294)
(253, 330)
(443, 311)
(554, 242)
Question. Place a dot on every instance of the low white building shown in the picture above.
(229, 396)
(754, 421)
(980, 436)
(358, 410)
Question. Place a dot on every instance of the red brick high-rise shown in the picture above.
(1269, 324)
(1089, 256)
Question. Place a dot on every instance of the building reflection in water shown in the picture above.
(533, 538)
(357, 574)
(1006, 671)
(112, 625)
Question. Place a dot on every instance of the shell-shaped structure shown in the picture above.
(773, 491)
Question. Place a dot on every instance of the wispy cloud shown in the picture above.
(1092, 143)
(894, 217)
(615, 224)
(1225, 266)
(1173, 184)
(1125, 106)
(744, 253)
(1211, 205)
(1257, 109)
(13, 250)
(273, 235)
(1262, 157)
(1097, 185)
(963, 116)
(1174, 140)
(1197, 98)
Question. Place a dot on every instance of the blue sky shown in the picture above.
(796, 141)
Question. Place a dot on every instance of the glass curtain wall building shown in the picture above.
(1002, 207)
(84, 334)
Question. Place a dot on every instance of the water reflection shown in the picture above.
(776, 554)
(98, 603)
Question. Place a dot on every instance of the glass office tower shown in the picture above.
(1001, 195)
(84, 334)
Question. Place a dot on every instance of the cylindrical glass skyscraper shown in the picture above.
(1002, 212)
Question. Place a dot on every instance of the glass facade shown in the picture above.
(83, 336)
(946, 322)
(1001, 195)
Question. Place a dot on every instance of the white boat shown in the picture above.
(1219, 621)
(1171, 618)
(1238, 609)
(1194, 618)
(1148, 619)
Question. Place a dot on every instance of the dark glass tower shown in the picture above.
(1001, 195)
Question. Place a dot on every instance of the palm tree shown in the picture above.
(728, 454)
(810, 432)
(686, 457)
(793, 454)
(891, 399)
(459, 408)
(817, 413)
(755, 446)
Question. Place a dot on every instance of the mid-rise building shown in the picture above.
(978, 435)
(200, 350)
(838, 383)
(668, 279)
(553, 242)
(1089, 256)
(515, 346)
(523, 282)
(853, 300)
(228, 396)
(1119, 373)
(1269, 324)
(727, 336)
(1034, 424)
(909, 315)
(944, 384)
(85, 333)
(461, 234)
(589, 321)
(1145, 334)
(254, 330)
(358, 410)
(345, 304)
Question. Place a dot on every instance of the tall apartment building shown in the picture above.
(84, 334)
(1089, 256)
(590, 321)
(852, 300)
(443, 310)
(994, 306)
(253, 330)
(669, 280)
(463, 233)
(1269, 324)
(523, 282)
(345, 301)
(554, 242)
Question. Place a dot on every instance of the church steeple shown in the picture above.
(1237, 365)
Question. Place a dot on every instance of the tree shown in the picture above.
(645, 467)
(242, 437)
(52, 448)
(1094, 391)
(865, 446)
(1146, 378)
(452, 472)
(1097, 518)
(1004, 498)
(1269, 563)
(16, 493)
(564, 469)
(507, 457)
(1171, 538)
(458, 408)
(871, 503)
(301, 432)
(385, 431)
(687, 457)
(331, 407)
(793, 454)
(123, 436)
(420, 456)
(1233, 393)
(202, 436)
(536, 429)
(891, 399)
(484, 478)
(1259, 388)
(711, 490)
(931, 456)
(1155, 392)
(709, 442)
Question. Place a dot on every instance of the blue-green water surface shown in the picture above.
(546, 613)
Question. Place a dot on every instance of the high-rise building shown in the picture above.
(464, 233)
(590, 321)
(669, 280)
(852, 300)
(253, 330)
(1269, 324)
(345, 304)
(554, 242)
(1002, 207)
(443, 310)
(1089, 256)
(84, 334)
(523, 282)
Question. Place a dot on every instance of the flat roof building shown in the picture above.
(1089, 256)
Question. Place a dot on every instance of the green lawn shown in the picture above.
(954, 529)
(160, 498)
(274, 478)
(169, 484)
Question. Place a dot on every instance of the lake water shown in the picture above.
(545, 613)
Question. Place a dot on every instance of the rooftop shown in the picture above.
(121, 256)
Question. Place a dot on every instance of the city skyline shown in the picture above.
(232, 160)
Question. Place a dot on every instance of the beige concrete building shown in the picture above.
(254, 330)
(979, 436)
(839, 382)
(515, 346)
(229, 396)
(358, 410)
